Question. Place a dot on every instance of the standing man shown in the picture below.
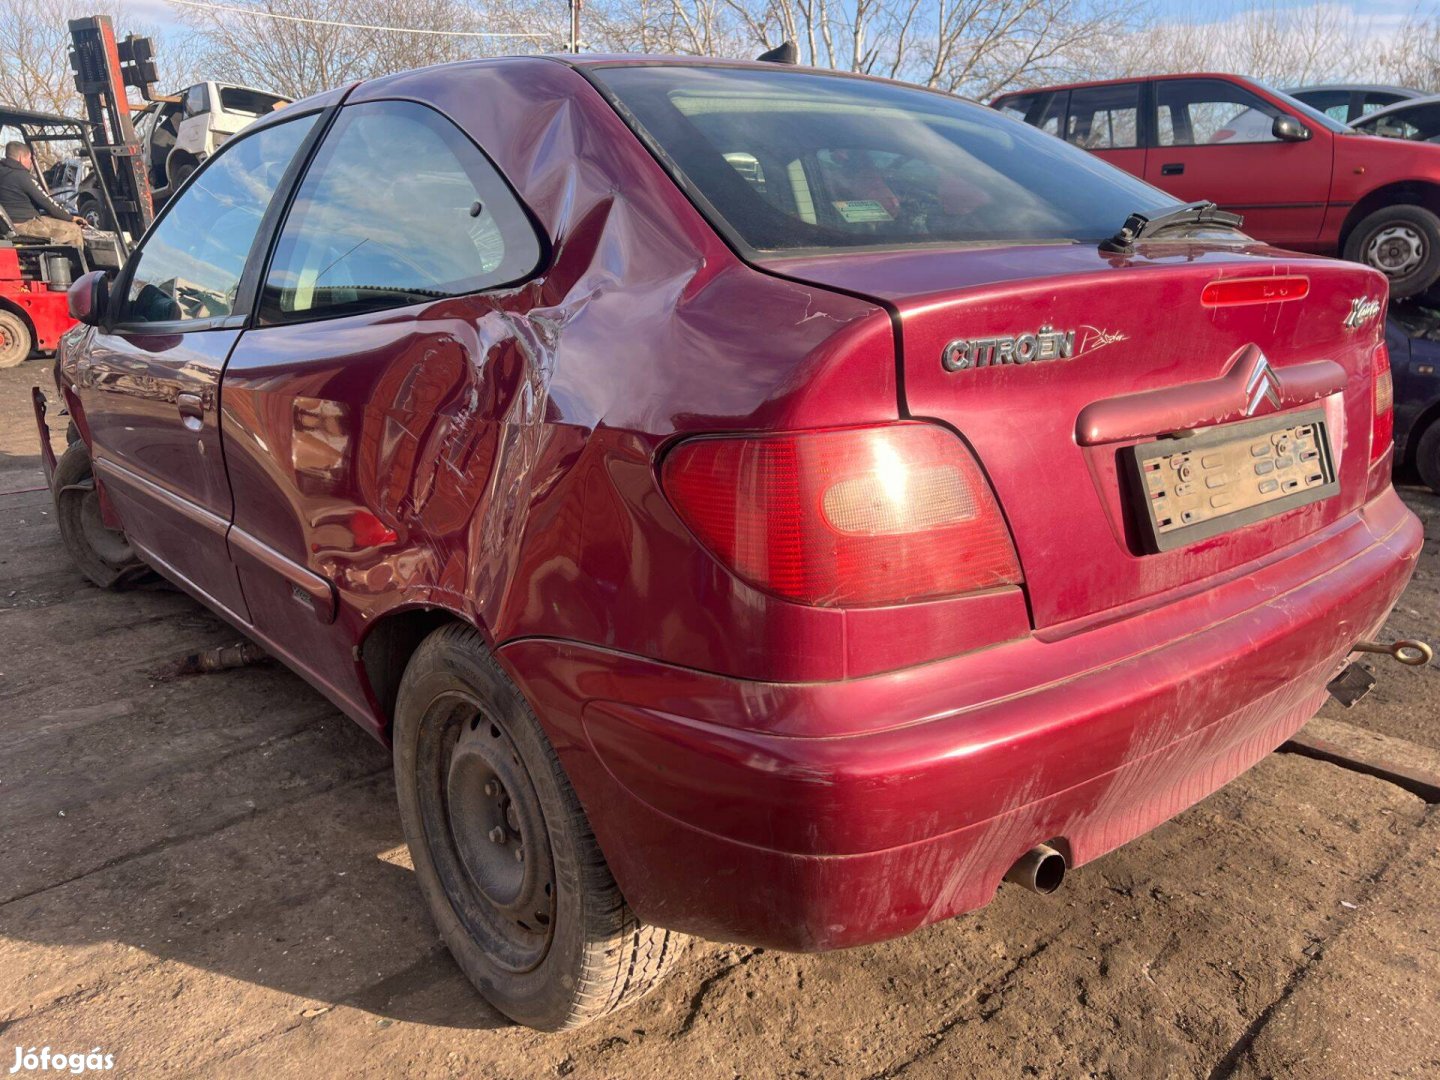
(30, 210)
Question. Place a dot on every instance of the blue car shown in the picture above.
(1413, 335)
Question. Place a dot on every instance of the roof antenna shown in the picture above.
(784, 53)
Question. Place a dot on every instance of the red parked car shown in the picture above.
(754, 502)
(1302, 179)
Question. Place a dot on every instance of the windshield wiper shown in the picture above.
(1140, 226)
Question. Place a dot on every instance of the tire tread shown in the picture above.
(622, 958)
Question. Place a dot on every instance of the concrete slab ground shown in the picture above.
(206, 877)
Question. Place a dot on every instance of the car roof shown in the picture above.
(27, 118)
(342, 92)
(1228, 76)
(603, 60)
(1403, 91)
(1397, 108)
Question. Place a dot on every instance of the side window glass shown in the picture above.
(1044, 111)
(1049, 113)
(1104, 117)
(399, 207)
(1370, 102)
(1333, 103)
(1017, 106)
(1420, 124)
(190, 265)
(1210, 112)
(196, 100)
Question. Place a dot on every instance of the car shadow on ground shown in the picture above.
(20, 472)
(234, 822)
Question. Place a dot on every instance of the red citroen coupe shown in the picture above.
(755, 503)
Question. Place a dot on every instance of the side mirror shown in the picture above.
(1288, 129)
(89, 297)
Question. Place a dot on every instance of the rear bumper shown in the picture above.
(816, 816)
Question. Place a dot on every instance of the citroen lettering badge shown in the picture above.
(1031, 347)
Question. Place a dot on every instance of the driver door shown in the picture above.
(1213, 140)
(149, 384)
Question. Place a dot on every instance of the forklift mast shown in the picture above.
(103, 69)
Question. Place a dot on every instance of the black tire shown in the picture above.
(93, 211)
(1427, 456)
(16, 341)
(180, 171)
(544, 935)
(103, 555)
(1403, 243)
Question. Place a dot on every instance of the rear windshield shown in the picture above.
(237, 99)
(1308, 112)
(787, 161)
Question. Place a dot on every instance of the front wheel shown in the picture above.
(502, 850)
(1403, 243)
(101, 553)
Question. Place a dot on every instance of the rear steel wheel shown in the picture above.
(490, 847)
(503, 852)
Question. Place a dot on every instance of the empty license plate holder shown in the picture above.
(1198, 486)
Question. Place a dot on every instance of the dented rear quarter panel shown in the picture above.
(508, 439)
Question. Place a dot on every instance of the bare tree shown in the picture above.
(976, 47)
(1285, 46)
(982, 46)
(35, 72)
(1412, 56)
(301, 47)
(970, 46)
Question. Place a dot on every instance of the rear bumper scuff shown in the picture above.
(816, 816)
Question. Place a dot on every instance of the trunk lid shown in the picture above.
(1050, 432)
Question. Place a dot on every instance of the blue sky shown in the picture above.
(1381, 13)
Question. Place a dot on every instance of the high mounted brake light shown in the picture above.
(847, 516)
(1237, 292)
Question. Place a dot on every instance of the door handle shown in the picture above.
(1174, 168)
(192, 410)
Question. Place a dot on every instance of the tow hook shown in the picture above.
(1356, 680)
(1409, 653)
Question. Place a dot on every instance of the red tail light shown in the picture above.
(845, 517)
(1382, 433)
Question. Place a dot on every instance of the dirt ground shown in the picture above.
(206, 877)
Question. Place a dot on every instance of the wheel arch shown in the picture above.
(385, 650)
(178, 156)
(1423, 193)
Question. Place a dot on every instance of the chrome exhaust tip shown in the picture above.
(1041, 869)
